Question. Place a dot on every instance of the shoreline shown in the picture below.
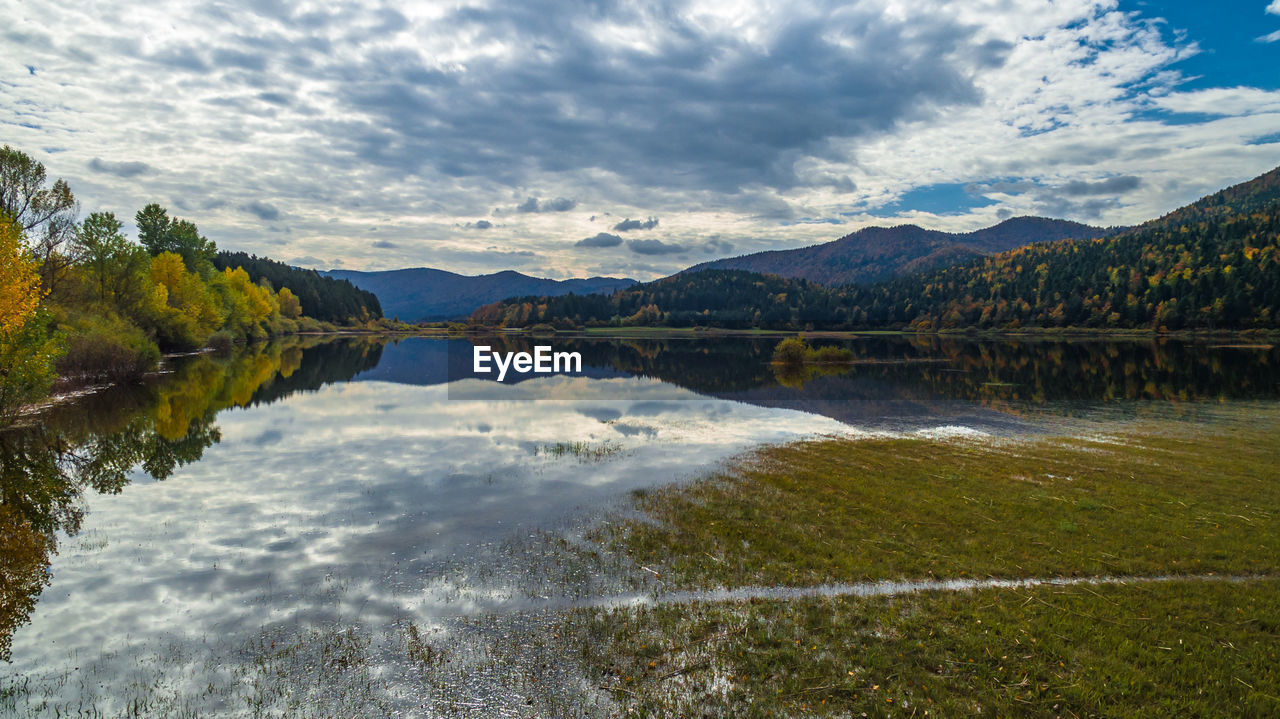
(1270, 337)
(73, 389)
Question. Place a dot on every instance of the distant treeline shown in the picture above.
(1211, 265)
(323, 298)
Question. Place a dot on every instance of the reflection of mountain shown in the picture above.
(94, 444)
(893, 377)
(425, 361)
(912, 367)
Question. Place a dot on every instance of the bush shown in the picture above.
(792, 350)
(27, 359)
(795, 351)
(831, 355)
(221, 341)
(308, 324)
(106, 348)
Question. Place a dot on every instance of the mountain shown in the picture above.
(878, 253)
(1246, 198)
(1212, 265)
(422, 294)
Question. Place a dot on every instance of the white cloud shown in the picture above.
(1222, 101)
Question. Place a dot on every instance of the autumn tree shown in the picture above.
(27, 351)
(45, 213)
(184, 312)
(290, 307)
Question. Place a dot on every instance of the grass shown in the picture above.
(1173, 649)
(1195, 500)
(582, 451)
(1187, 500)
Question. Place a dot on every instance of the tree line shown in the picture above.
(82, 302)
(324, 298)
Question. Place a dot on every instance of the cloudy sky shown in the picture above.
(633, 138)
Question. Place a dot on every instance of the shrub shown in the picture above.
(221, 341)
(795, 351)
(106, 348)
(831, 355)
(27, 359)
(792, 350)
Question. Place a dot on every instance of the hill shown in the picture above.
(424, 294)
(1214, 264)
(880, 253)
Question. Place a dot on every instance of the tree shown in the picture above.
(246, 305)
(153, 228)
(27, 352)
(114, 263)
(289, 305)
(19, 284)
(159, 233)
(183, 311)
(46, 213)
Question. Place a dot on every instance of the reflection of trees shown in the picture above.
(23, 561)
(94, 444)
(932, 367)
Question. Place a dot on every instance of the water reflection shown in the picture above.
(894, 382)
(295, 498)
(95, 443)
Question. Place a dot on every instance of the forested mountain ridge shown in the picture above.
(324, 298)
(1256, 195)
(1214, 264)
(880, 253)
(424, 294)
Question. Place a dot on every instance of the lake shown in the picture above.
(218, 540)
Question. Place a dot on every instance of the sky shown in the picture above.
(570, 138)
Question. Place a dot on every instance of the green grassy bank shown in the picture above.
(1191, 499)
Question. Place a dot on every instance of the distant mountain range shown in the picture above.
(422, 294)
(879, 253)
(1211, 265)
(868, 255)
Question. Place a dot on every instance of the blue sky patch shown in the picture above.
(1227, 34)
(940, 199)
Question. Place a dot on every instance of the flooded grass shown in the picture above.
(581, 451)
(1169, 649)
(1188, 498)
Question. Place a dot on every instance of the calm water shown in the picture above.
(185, 544)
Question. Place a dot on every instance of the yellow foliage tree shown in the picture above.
(185, 312)
(27, 352)
(19, 280)
(246, 305)
(290, 305)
